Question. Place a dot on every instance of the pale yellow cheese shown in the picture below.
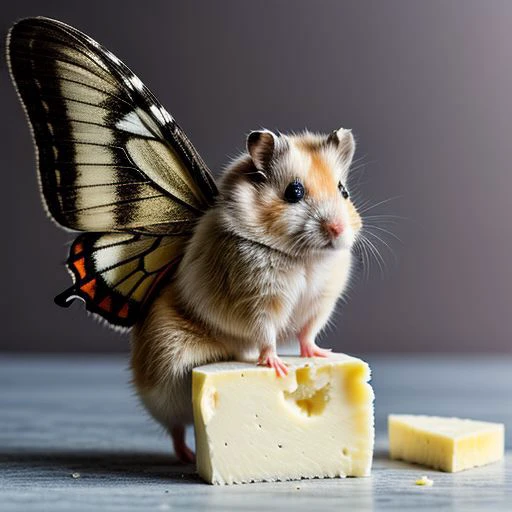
(449, 444)
(425, 481)
(251, 425)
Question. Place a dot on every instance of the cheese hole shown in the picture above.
(309, 399)
(345, 452)
(303, 376)
(279, 445)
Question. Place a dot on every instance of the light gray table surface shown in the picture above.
(78, 414)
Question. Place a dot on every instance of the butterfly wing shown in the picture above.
(115, 273)
(111, 161)
(110, 157)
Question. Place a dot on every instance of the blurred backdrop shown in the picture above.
(426, 88)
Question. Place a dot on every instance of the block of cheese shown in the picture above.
(251, 425)
(449, 444)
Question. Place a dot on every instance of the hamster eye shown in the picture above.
(294, 192)
(343, 190)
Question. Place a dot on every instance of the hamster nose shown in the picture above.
(333, 228)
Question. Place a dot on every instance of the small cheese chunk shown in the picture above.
(425, 481)
(449, 444)
(253, 426)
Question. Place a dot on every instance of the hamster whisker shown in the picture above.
(385, 244)
(355, 176)
(358, 168)
(356, 197)
(390, 233)
(372, 250)
(390, 219)
(358, 160)
(365, 257)
(362, 205)
(386, 216)
(379, 204)
(362, 183)
(369, 257)
(383, 267)
(359, 164)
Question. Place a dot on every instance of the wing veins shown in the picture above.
(60, 56)
(116, 203)
(117, 185)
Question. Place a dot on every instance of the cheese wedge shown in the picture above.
(251, 425)
(449, 444)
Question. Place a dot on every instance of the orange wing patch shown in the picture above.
(106, 304)
(116, 274)
(77, 247)
(79, 266)
(123, 312)
(89, 288)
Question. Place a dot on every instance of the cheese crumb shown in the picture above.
(425, 481)
(75, 475)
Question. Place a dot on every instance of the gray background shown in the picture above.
(426, 88)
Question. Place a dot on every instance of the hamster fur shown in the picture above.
(257, 272)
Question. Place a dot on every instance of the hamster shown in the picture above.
(265, 265)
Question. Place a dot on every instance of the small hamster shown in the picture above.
(245, 266)
(265, 264)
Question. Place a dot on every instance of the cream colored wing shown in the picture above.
(110, 157)
(112, 162)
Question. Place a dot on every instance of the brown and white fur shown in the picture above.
(258, 271)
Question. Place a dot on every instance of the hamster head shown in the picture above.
(290, 192)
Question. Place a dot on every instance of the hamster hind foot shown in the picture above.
(182, 451)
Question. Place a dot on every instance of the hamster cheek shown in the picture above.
(351, 221)
(355, 220)
(346, 241)
(244, 199)
(273, 216)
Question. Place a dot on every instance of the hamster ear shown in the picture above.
(262, 145)
(345, 143)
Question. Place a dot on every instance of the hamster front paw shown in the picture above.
(268, 357)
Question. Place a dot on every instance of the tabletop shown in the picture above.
(74, 437)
